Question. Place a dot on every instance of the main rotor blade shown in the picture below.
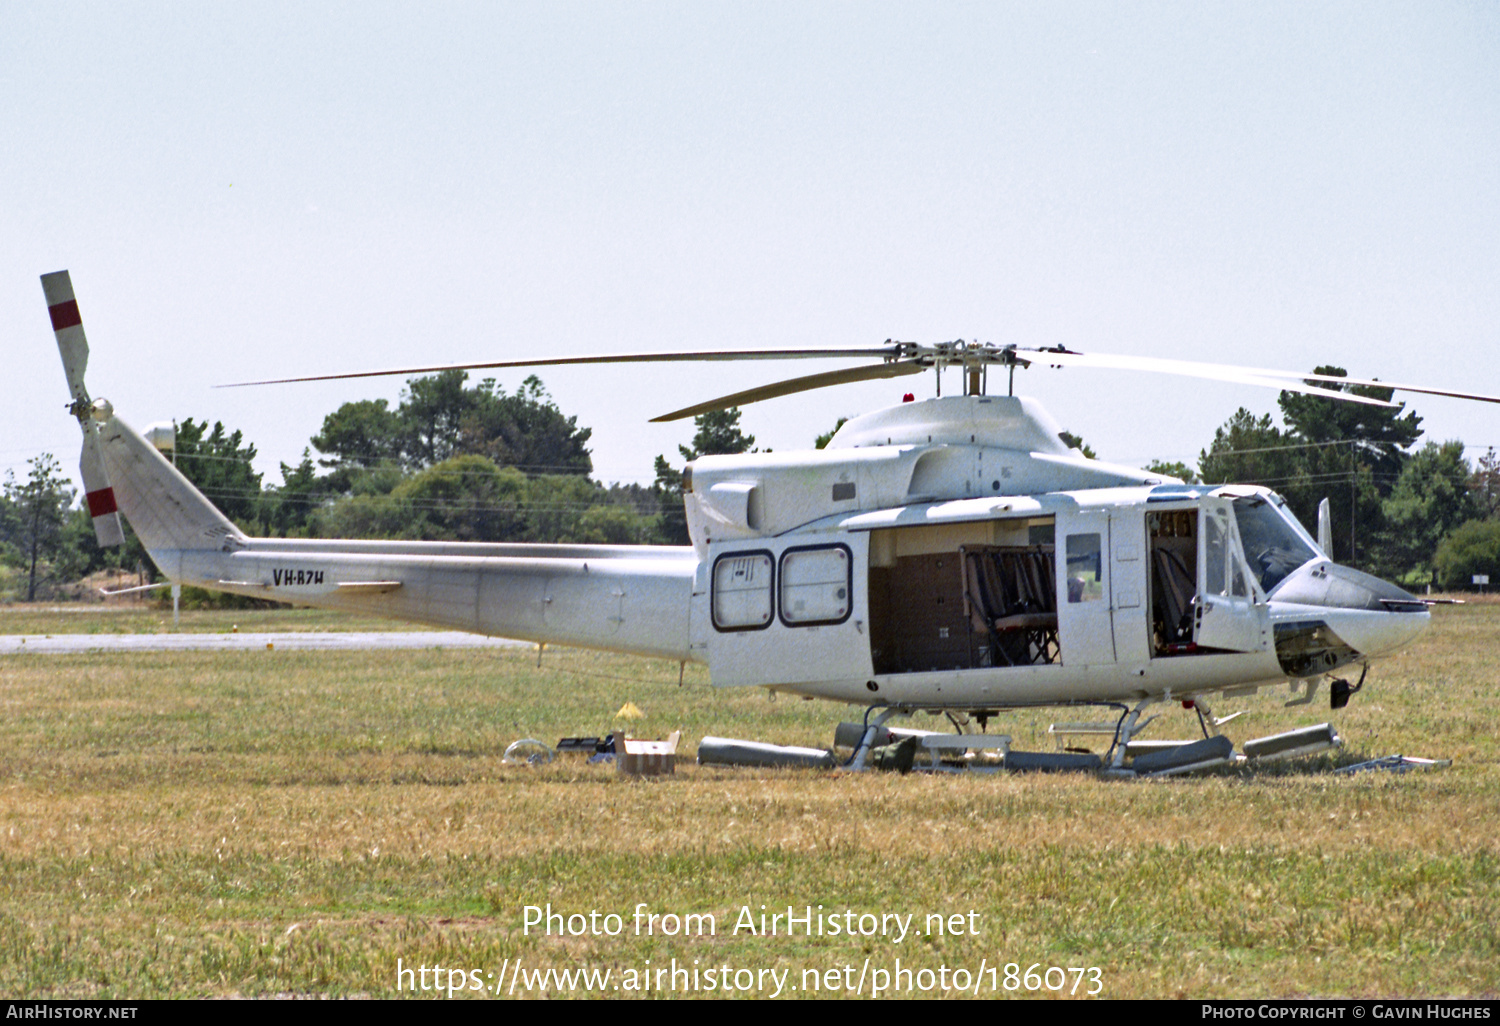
(1287, 381)
(563, 361)
(802, 384)
(1376, 383)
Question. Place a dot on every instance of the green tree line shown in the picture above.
(1401, 512)
(461, 461)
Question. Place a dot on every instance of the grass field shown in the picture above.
(122, 617)
(266, 823)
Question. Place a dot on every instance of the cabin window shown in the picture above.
(816, 583)
(742, 583)
(1085, 568)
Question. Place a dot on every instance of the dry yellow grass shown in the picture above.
(261, 823)
(135, 615)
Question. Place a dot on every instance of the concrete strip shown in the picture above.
(290, 641)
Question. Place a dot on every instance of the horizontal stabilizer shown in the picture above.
(368, 587)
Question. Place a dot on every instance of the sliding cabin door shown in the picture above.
(1085, 603)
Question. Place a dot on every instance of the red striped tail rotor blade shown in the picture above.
(98, 493)
(67, 325)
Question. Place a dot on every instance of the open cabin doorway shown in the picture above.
(963, 596)
(1173, 537)
(1203, 596)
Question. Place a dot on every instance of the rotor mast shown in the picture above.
(974, 359)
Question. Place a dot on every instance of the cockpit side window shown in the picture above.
(1224, 571)
(1215, 542)
(1273, 547)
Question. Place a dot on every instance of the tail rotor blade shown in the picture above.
(67, 325)
(98, 493)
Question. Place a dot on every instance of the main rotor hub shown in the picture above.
(974, 357)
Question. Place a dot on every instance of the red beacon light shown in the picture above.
(908, 398)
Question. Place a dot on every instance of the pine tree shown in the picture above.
(38, 510)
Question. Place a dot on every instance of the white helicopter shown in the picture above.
(952, 554)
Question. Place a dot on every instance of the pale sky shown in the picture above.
(266, 190)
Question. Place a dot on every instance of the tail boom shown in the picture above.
(621, 598)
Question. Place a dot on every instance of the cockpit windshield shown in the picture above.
(1275, 544)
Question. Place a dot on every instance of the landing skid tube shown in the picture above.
(935, 749)
(873, 744)
(1128, 756)
(1171, 758)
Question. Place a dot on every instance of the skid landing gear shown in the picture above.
(867, 737)
(927, 751)
(1168, 758)
(875, 744)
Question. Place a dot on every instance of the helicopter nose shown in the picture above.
(1372, 616)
